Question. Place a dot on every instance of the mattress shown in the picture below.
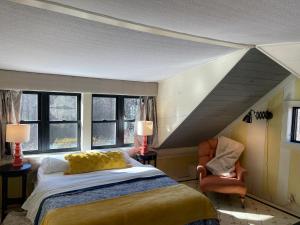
(57, 191)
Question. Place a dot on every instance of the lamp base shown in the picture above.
(17, 161)
(144, 147)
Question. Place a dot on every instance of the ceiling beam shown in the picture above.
(96, 17)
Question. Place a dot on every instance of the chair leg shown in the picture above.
(242, 201)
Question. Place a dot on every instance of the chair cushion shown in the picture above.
(222, 185)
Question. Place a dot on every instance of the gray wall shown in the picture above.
(51, 82)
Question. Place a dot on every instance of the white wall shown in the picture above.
(271, 160)
(50, 82)
(178, 163)
(287, 55)
(178, 96)
(86, 121)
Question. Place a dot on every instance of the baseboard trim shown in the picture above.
(272, 205)
(265, 202)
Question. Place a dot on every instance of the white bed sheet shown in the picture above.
(50, 184)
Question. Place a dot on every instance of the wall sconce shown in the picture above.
(259, 115)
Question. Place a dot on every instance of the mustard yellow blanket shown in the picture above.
(172, 205)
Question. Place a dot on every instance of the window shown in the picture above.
(295, 137)
(130, 108)
(30, 114)
(113, 120)
(54, 120)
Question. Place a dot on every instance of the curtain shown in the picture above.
(146, 110)
(10, 107)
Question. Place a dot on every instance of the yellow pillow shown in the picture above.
(93, 161)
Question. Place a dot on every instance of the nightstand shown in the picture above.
(7, 171)
(147, 157)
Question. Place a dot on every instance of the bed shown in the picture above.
(140, 194)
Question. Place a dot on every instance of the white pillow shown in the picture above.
(127, 157)
(227, 154)
(130, 160)
(54, 164)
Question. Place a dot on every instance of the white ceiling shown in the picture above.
(244, 21)
(37, 40)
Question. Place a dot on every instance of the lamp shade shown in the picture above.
(144, 128)
(17, 133)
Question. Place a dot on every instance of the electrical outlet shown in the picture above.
(291, 199)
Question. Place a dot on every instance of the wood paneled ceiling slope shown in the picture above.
(248, 81)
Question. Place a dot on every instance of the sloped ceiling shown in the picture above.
(243, 21)
(41, 41)
(252, 77)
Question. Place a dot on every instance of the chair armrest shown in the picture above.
(201, 171)
(240, 171)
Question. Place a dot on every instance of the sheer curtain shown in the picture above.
(146, 110)
(10, 107)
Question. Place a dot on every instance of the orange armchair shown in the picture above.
(220, 184)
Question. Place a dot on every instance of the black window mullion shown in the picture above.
(45, 121)
(40, 128)
(92, 125)
(79, 121)
(294, 124)
(29, 121)
(120, 125)
(129, 120)
(104, 121)
(63, 121)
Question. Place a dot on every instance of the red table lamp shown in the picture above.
(144, 128)
(17, 133)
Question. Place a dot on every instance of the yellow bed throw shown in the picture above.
(172, 205)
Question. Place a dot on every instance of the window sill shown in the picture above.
(293, 145)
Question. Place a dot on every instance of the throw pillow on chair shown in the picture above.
(212, 176)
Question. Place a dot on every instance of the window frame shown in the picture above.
(44, 122)
(120, 112)
(295, 111)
